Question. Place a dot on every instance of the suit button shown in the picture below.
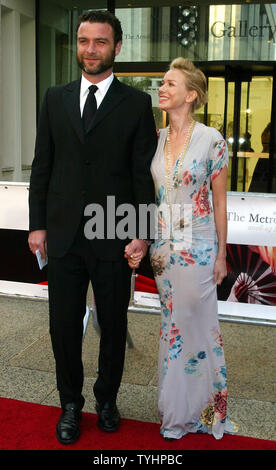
(87, 162)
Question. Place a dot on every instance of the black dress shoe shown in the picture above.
(108, 417)
(67, 430)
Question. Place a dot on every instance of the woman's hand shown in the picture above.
(220, 270)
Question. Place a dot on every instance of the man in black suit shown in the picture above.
(87, 151)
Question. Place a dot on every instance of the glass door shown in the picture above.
(219, 111)
(248, 115)
(253, 155)
(240, 108)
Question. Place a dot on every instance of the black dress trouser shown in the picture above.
(68, 280)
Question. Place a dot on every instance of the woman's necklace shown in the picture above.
(171, 173)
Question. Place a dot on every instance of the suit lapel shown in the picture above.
(115, 94)
(71, 98)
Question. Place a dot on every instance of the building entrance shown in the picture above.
(240, 106)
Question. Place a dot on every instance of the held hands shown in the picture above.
(220, 270)
(135, 252)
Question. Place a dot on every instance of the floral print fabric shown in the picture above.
(192, 385)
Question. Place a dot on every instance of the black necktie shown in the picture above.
(90, 108)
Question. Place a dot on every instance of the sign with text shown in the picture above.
(251, 219)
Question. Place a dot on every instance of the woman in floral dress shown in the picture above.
(192, 389)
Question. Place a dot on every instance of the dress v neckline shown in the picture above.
(176, 161)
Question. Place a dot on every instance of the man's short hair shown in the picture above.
(102, 16)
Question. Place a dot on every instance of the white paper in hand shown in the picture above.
(41, 262)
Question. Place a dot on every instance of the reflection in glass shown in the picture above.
(215, 112)
(229, 130)
(57, 40)
(216, 103)
(244, 140)
(255, 128)
(160, 31)
(156, 33)
(242, 32)
(149, 83)
(250, 148)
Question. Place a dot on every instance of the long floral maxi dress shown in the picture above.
(192, 390)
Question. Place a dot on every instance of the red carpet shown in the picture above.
(28, 426)
(145, 284)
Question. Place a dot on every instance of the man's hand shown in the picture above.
(135, 252)
(37, 241)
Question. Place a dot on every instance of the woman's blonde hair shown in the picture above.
(195, 80)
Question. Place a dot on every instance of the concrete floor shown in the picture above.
(28, 370)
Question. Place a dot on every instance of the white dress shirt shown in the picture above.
(100, 93)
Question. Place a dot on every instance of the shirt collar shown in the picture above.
(102, 86)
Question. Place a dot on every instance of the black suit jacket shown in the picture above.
(71, 170)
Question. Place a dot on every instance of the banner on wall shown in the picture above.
(248, 291)
(251, 219)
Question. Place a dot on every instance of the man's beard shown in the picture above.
(103, 65)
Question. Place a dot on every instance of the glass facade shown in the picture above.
(57, 40)
(242, 32)
(213, 32)
(160, 33)
(154, 33)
